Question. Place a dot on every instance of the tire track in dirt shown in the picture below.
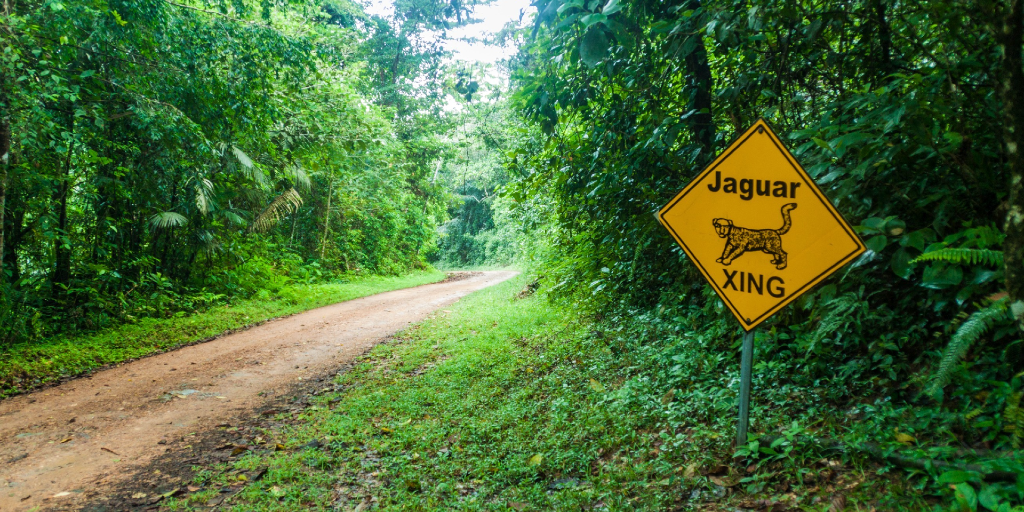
(59, 443)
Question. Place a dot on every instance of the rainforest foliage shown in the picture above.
(159, 156)
(907, 114)
(163, 156)
(483, 226)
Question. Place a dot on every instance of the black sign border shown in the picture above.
(749, 324)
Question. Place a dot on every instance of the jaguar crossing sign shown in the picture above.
(758, 227)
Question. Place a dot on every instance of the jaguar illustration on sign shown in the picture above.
(781, 234)
(740, 240)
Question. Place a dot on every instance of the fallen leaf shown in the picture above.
(596, 386)
(278, 447)
(193, 488)
(62, 441)
(517, 505)
(906, 439)
(138, 495)
(167, 494)
(277, 492)
(237, 450)
(256, 475)
(725, 481)
(62, 494)
(667, 399)
(104, 448)
(837, 504)
(691, 471)
(535, 460)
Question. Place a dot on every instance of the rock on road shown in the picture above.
(59, 441)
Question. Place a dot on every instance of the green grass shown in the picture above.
(516, 404)
(31, 365)
(493, 404)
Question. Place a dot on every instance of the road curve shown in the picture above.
(57, 442)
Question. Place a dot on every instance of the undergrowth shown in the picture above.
(506, 403)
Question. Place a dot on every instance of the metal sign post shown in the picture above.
(746, 366)
(761, 232)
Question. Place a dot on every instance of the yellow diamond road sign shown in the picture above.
(758, 228)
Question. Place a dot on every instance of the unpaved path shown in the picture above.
(59, 441)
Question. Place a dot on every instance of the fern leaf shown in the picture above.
(973, 328)
(164, 220)
(234, 218)
(287, 202)
(961, 256)
(204, 195)
(298, 177)
(1013, 415)
(241, 156)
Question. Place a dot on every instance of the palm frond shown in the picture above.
(234, 218)
(289, 201)
(297, 175)
(164, 220)
(249, 168)
(241, 156)
(961, 256)
(204, 195)
(208, 242)
(973, 328)
(252, 198)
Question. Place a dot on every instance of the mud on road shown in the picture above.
(64, 446)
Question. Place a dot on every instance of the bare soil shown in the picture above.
(78, 443)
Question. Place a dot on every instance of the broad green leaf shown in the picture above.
(594, 46)
(956, 476)
(877, 243)
(966, 496)
(901, 265)
(940, 276)
(989, 497)
(591, 19)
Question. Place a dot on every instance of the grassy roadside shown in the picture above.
(28, 366)
(503, 404)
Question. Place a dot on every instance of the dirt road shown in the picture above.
(57, 442)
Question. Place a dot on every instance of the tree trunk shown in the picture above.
(699, 69)
(327, 218)
(1011, 88)
(62, 253)
(14, 234)
(5, 158)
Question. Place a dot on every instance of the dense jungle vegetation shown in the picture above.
(163, 157)
(908, 115)
(160, 157)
